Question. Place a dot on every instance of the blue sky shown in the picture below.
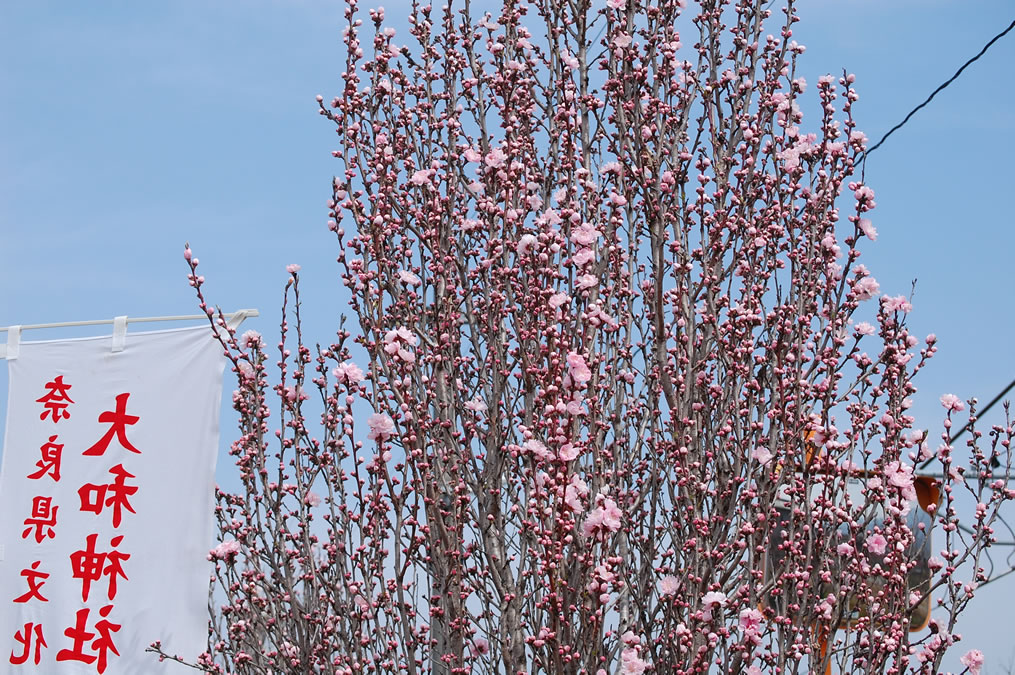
(129, 128)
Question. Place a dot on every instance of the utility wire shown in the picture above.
(967, 427)
(898, 126)
(982, 412)
(935, 92)
(957, 434)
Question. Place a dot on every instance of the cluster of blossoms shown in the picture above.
(619, 415)
(398, 343)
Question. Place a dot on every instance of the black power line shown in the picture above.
(898, 126)
(935, 92)
(967, 427)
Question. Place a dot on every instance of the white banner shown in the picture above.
(106, 495)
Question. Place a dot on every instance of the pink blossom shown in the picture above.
(585, 234)
(616, 4)
(864, 328)
(251, 339)
(476, 405)
(537, 448)
(761, 455)
(586, 281)
(569, 452)
(901, 476)
(381, 426)
(481, 645)
(592, 522)
(606, 516)
(868, 229)
(844, 550)
(574, 408)
(421, 177)
(895, 303)
(583, 256)
(246, 369)
(312, 499)
(407, 336)
(631, 663)
(668, 585)
(225, 550)
(471, 155)
(525, 243)
(569, 60)
(579, 370)
(750, 620)
(973, 659)
(710, 601)
(622, 40)
(864, 193)
(877, 544)
(496, 158)
(575, 491)
(611, 515)
(610, 167)
(558, 299)
(409, 278)
(292, 269)
(397, 339)
(952, 403)
(348, 372)
(866, 288)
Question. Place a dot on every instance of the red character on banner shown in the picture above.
(33, 575)
(43, 519)
(80, 635)
(51, 453)
(118, 421)
(24, 636)
(89, 566)
(94, 497)
(56, 400)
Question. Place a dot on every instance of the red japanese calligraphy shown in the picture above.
(24, 636)
(42, 520)
(56, 400)
(51, 453)
(118, 421)
(94, 497)
(80, 635)
(89, 565)
(33, 576)
(105, 641)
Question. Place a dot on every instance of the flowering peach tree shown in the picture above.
(619, 397)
